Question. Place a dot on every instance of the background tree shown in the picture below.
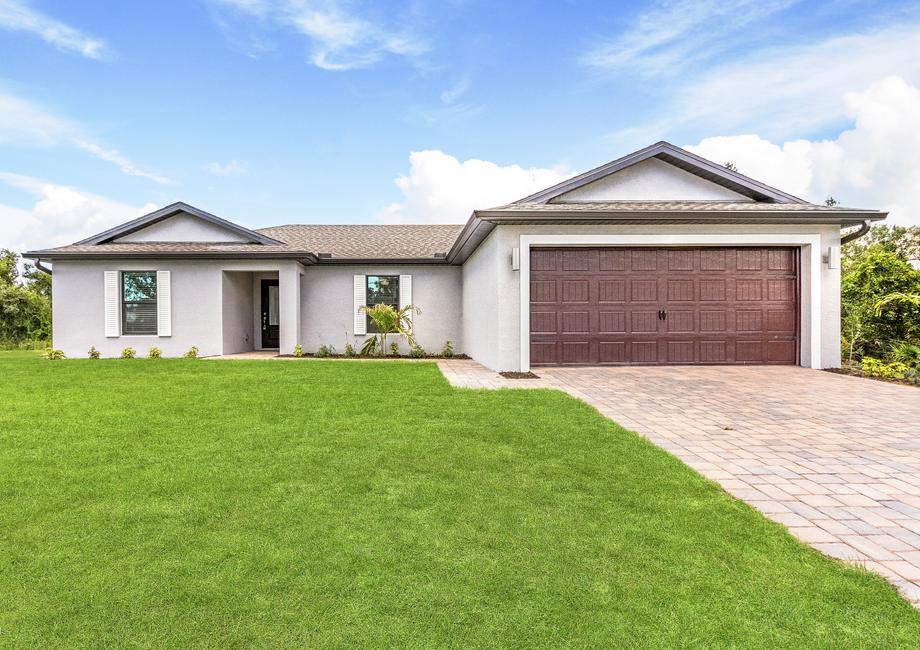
(25, 303)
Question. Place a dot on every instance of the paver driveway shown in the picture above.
(834, 458)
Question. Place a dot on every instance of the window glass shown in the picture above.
(273, 318)
(139, 302)
(381, 289)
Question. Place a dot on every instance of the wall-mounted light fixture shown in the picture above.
(515, 259)
(832, 259)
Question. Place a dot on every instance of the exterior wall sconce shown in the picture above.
(515, 259)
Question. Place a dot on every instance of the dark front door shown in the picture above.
(662, 306)
(270, 320)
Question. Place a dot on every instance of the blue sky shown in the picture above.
(280, 111)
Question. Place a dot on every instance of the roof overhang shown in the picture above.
(171, 211)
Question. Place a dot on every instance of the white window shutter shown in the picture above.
(360, 298)
(405, 292)
(111, 304)
(164, 299)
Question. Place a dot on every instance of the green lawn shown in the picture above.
(179, 503)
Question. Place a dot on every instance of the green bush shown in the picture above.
(878, 368)
(448, 350)
(192, 353)
(417, 352)
(298, 350)
(53, 355)
(128, 353)
(93, 353)
(349, 350)
(906, 353)
(24, 314)
(325, 351)
(394, 348)
(370, 347)
(154, 353)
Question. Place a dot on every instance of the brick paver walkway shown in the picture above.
(834, 458)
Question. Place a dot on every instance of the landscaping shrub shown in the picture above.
(370, 347)
(448, 350)
(93, 353)
(128, 353)
(394, 348)
(154, 353)
(349, 350)
(298, 350)
(417, 352)
(878, 368)
(53, 355)
(192, 353)
(325, 351)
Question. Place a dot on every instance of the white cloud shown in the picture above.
(24, 123)
(16, 15)
(340, 39)
(874, 164)
(61, 214)
(441, 189)
(231, 168)
(670, 36)
(789, 90)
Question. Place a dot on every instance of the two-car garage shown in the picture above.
(713, 305)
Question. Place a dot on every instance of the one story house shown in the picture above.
(659, 257)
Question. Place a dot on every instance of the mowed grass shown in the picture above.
(198, 504)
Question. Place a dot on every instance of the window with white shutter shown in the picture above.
(111, 304)
(360, 287)
(405, 293)
(164, 307)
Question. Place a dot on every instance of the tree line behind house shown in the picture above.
(25, 304)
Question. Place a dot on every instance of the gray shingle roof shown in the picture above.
(368, 241)
(667, 206)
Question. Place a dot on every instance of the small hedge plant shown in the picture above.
(93, 353)
(349, 350)
(394, 348)
(417, 352)
(324, 351)
(154, 353)
(192, 353)
(53, 355)
(298, 350)
(128, 353)
(878, 368)
(448, 350)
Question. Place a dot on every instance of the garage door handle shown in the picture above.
(662, 314)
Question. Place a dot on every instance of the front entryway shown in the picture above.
(270, 318)
(594, 306)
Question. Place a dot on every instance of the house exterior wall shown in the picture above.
(327, 305)
(651, 180)
(237, 311)
(197, 305)
(502, 350)
(183, 228)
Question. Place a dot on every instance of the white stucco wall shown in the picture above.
(183, 227)
(237, 311)
(651, 180)
(197, 304)
(503, 351)
(327, 305)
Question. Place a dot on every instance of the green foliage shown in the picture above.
(370, 347)
(128, 353)
(192, 353)
(154, 353)
(349, 350)
(869, 279)
(906, 353)
(903, 241)
(53, 355)
(394, 348)
(325, 351)
(878, 368)
(417, 352)
(448, 350)
(93, 353)
(25, 309)
(298, 350)
(391, 321)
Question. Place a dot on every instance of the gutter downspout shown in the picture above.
(863, 229)
(41, 267)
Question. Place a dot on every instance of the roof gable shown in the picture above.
(739, 185)
(179, 222)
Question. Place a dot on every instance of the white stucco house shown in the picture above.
(659, 257)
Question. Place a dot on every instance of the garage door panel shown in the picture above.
(660, 306)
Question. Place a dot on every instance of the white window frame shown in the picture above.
(809, 245)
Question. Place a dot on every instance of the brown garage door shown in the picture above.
(663, 305)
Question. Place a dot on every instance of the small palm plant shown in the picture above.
(389, 321)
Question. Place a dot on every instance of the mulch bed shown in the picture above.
(855, 372)
(519, 375)
(397, 357)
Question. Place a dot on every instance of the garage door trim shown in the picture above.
(810, 267)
